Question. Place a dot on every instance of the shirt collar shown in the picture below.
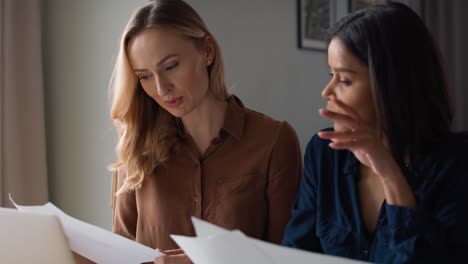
(234, 119)
(351, 163)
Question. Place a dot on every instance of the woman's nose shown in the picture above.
(163, 87)
(327, 91)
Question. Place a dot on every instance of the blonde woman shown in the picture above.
(186, 146)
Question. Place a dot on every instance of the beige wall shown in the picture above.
(264, 67)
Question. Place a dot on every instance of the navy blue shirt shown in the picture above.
(326, 216)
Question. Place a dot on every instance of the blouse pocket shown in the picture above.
(336, 240)
(244, 183)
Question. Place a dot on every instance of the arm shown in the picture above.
(434, 230)
(424, 226)
(300, 231)
(283, 181)
(126, 214)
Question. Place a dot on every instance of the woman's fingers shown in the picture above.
(337, 135)
(346, 109)
(343, 145)
(173, 259)
(345, 120)
(173, 251)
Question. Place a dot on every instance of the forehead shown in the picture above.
(340, 56)
(157, 42)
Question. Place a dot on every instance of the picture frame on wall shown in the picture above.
(314, 18)
(355, 5)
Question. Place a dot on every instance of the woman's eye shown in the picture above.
(144, 77)
(346, 82)
(171, 66)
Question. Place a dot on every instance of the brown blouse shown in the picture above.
(247, 179)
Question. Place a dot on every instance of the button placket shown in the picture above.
(196, 197)
(197, 190)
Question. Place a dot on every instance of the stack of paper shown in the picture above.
(214, 245)
(94, 243)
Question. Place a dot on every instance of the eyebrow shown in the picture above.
(159, 63)
(343, 69)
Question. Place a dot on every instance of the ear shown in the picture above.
(209, 49)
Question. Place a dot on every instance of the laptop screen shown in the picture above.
(32, 238)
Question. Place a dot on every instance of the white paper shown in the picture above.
(94, 243)
(205, 229)
(228, 248)
(215, 245)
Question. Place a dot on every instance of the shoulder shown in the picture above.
(458, 143)
(317, 145)
(268, 127)
(261, 120)
(323, 161)
(445, 162)
(452, 148)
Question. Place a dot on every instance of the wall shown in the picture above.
(264, 68)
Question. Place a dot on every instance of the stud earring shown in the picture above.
(209, 63)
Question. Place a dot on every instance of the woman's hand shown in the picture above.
(80, 259)
(365, 141)
(173, 256)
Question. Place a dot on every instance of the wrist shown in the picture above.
(397, 190)
(391, 173)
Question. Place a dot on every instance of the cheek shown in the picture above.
(198, 81)
(202, 73)
(366, 107)
(149, 90)
(369, 115)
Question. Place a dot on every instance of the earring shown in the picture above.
(209, 63)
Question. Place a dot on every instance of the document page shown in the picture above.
(214, 245)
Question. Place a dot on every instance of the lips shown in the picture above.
(174, 102)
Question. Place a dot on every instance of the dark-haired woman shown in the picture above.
(388, 183)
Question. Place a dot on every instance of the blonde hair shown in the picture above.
(147, 133)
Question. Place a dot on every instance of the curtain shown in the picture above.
(23, 168)
(448, 22)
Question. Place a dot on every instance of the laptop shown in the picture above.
(32, 238)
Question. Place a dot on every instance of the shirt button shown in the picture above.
(365, 252)
(196, 198)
